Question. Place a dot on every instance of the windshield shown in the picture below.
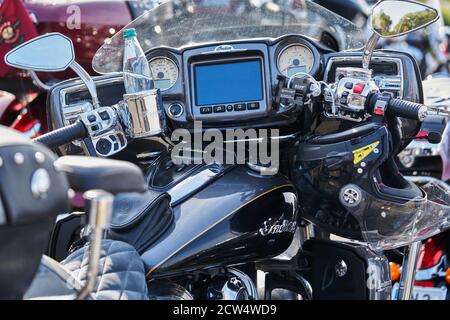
(178, 23)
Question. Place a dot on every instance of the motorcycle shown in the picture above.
(246, 228)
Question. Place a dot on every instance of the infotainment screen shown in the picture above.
(228, 82)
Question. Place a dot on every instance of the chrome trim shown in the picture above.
(408, 276)
(374, 59)
(188, 185)
(101, 206)
(247, 282)
(172, 61)
(82, 87)
(369, 50)
(297, 44)
(175, 115)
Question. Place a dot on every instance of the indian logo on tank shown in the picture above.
(276, 227)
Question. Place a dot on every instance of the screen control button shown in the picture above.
(348, 85)
(240, 107)
(92, 118)
(104, 115)
(205, 110)
(103, 147)
(253, 106)
(175, 110)
(219, 109)
(230, 108)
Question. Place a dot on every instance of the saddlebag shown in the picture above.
(140, 219)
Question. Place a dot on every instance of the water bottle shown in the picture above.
(136, 70)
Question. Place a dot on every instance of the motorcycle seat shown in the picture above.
(88, 173)
(121, 275)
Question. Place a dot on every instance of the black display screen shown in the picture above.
(229, 82)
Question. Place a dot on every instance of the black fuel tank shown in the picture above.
(238, 217)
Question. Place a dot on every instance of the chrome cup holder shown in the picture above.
(145, 114)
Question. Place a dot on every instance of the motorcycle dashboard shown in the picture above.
(230, 84)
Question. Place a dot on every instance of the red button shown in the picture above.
(379, 111)
(359, 88)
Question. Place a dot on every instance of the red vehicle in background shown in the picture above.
(88, 23)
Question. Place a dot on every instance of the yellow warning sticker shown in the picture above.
(361, 153)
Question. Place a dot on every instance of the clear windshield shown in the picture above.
(386, 225)
(177, 23)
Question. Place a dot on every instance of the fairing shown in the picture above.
(386, 225)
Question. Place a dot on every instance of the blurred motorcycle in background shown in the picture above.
(421, 158)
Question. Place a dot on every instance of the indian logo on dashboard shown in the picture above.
(224, 47)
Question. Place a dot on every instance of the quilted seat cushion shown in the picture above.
(121, 274)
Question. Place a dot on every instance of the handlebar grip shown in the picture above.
(63, 135)
(407, 109)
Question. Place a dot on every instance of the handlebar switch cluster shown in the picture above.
(105, 131)
(351, 95)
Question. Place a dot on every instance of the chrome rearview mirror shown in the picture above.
(394, 18)
(52, 52)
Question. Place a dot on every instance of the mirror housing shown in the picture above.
(51, 52)
(394, 18)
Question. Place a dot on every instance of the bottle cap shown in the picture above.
(129, 33)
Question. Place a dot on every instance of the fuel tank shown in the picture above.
(222, 216)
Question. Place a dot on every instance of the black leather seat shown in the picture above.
(121, 275)
(33, 191)
(85, 173)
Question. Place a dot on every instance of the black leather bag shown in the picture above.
(140, 219)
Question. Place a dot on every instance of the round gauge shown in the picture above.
(164, 72)
(295, 58)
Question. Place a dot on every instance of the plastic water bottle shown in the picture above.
(136, 70)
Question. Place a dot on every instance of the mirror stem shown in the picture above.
(38, 81)
(87, 79)
(369, 49)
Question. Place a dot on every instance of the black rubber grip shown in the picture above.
(63, 135)
(407, 109)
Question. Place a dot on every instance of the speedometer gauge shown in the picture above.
(164, 72)
(295, 58)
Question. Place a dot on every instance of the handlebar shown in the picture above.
(63, 135)
(397, 107)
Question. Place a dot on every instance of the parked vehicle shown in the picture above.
(422, 158)
(240, 220)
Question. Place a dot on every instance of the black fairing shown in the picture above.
(225, 223)
(321, 170)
